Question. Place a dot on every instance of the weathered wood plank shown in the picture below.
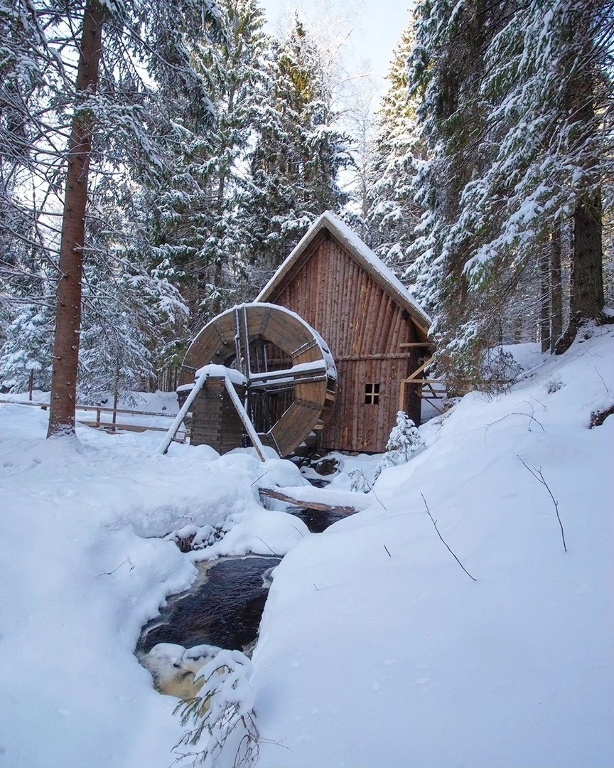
(320, 506)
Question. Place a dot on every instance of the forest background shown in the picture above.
(159, 160)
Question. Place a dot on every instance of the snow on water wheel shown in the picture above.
(291, 375)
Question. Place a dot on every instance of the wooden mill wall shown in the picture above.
(364, 328)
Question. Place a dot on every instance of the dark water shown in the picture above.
(315, 520)
(318, 483)
(224, 610)
(224, 606)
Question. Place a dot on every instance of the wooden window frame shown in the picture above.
(372, 393)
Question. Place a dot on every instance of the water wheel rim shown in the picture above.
(312, 375)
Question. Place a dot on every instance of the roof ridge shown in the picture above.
(361, 252)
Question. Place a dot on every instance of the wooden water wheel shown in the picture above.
(290, 373)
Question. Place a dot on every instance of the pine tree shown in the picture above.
(298, 152)
(28, 346)
(546, 82)
(404, 442)
(199, 231)
(511, 98)
(447, 71)
(392, 210)
(106, 112)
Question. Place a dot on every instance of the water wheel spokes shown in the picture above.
(290, 373)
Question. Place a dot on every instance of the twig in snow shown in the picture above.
(266, 472)
(110, 573)
(441, 537)
(607, 389)
(529, 416)
(387, 550)
(538, 475)
(370, 487)
(266, 545)
(540, 402)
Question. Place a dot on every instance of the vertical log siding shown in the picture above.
(364, 328)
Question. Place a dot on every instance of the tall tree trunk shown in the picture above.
(556, 288)
(587, 265)
(544, 299)
(68, 306)
(586, 288)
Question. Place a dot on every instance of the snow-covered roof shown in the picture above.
(376, 268)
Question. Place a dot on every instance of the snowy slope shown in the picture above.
(376, 649)
(375, 659)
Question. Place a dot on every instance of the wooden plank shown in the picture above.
(275, 493)
(101, 408)
(299, 419)
(44, 406)
(249, 427)
(375, 356)
(423, 367)
(109, 427)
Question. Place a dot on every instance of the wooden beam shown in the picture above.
(320, 506)
(249, 427)
(172, 430)
(415, 373)
(360, 358)
(411, 379)
(409, 344)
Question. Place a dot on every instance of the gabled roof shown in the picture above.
(362, 254)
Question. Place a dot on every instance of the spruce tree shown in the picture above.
(392, 212)
(198, 231)
(512, 98)
(109, 114)
(447, 70)
(298, 152)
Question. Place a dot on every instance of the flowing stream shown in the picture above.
(224, 605)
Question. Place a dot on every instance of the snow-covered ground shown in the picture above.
(376, 648)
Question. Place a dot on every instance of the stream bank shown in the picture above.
(222, 609)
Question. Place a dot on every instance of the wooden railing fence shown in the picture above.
(112, 424)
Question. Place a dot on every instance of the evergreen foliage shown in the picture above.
(392, 212)
(513, 107)
(215, 146)
(123, 117)
(298, 152)
(405, 440)
(199, 232)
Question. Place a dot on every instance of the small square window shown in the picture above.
(371, 394)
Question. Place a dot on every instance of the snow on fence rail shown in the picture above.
(113, 425)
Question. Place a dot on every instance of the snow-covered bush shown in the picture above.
(404, 442)
(359, 482)
(553, 384)
(498, 371)
(222, 713)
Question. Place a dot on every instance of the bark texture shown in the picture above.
(68, 306)
(556, 289)
(587, 273)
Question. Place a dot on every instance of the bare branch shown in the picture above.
(428, 511)
(538, 475)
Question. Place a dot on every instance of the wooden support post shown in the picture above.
(249, 427)
(163, 447)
